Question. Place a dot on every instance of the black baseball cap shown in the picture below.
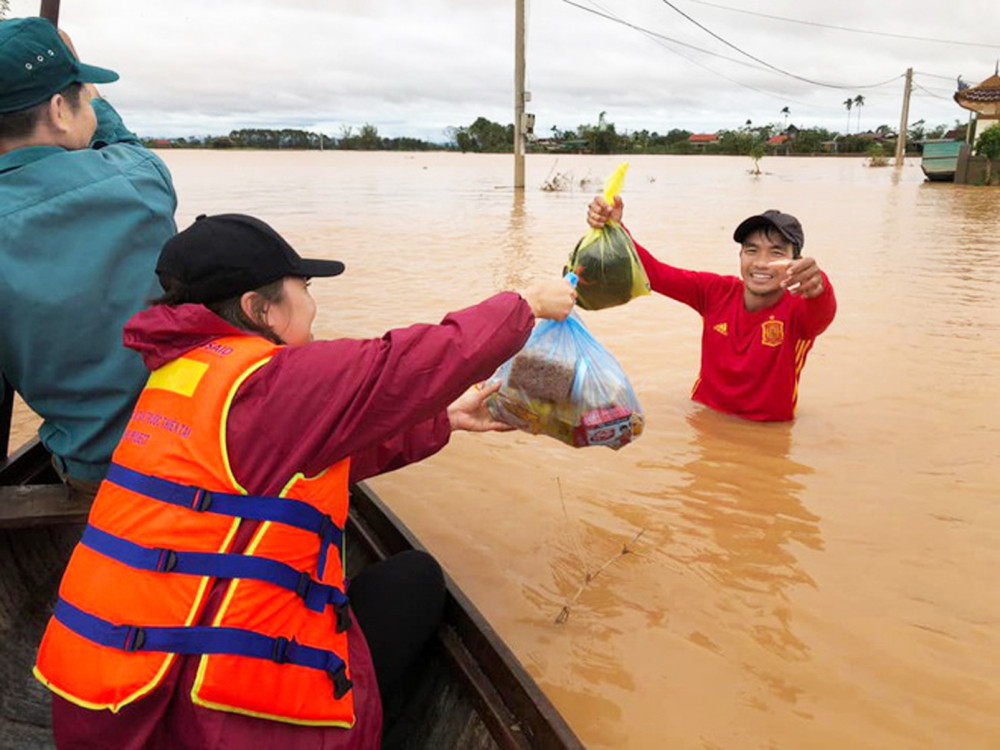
(222, 256)
(786, 224)
(35, 63)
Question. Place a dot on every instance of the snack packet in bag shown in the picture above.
(564, 384)
(606, 260)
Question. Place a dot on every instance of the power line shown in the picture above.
(767, 64)
(846, 28)
(763, 65)
(928, 92)
(933, 75)
(650, 33)
(656, 37)
(662, 40)
(941, 89)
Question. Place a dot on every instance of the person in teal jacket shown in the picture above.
(84, 212)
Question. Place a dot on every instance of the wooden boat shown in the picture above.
(470, 691)
(940, 159)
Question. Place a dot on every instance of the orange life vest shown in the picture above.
(161, 532)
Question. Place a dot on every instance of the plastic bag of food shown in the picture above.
(564, 384)
(606, 261)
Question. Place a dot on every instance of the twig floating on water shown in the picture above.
(588, 577)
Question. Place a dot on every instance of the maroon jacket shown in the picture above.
(380, 402)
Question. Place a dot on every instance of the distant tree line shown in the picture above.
(365, 139)
(485, 136)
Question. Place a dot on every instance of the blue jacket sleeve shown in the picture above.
(110, 128)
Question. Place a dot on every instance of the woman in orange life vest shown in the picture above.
(206, 604)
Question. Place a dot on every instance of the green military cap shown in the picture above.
(35, 63)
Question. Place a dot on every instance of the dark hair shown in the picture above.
(774, 234)
(21, 123)
(231, 308)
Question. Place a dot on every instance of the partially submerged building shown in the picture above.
(984, 100)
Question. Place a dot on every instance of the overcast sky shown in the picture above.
(416, 67)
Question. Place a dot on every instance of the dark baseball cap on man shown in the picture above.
(786, 224)
(223, 256)
(35, 63)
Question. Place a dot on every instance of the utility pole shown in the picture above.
(519, 96)
(901, 138)
(49, 10)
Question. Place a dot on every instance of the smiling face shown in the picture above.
(764, 258)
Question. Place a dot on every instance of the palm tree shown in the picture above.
(785, 111)
(859, 102)
(848, 102)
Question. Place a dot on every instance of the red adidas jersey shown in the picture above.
(750, 361)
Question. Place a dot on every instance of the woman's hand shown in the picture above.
(468, 412)
(551, 298)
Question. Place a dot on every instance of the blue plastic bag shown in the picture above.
(565, 384)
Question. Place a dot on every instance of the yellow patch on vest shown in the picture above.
(721, 328)
(772, 332)
(180, 376)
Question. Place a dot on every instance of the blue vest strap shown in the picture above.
(315, 594)
(197, 640)
(284, 510)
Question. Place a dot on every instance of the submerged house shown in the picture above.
(701, 140)
(984, 100)
(781, 143)
(778, 144)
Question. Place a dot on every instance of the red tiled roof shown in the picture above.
(702, 137)
(777, 140)
(986, 92)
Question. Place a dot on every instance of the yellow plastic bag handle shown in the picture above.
(612, 188)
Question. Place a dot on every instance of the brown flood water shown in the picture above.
(820, 584)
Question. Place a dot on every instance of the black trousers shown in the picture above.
(398, 605)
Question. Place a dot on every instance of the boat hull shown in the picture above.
(468, 691)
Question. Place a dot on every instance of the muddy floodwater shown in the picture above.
(826, 583)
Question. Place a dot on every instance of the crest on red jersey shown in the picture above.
(772, 332)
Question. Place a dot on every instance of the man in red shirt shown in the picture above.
(758, 329)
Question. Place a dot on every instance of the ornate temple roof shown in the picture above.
(984, 98)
